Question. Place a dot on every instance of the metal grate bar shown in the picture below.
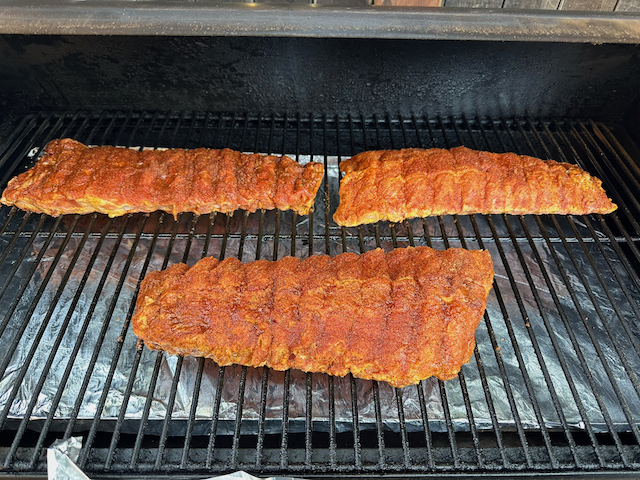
(461, 380)
(16, 138)
(605, 227)
(265, 371)
(201, 361)
(311, 214)
(3, 229)
(595, 237)
(145, 415)
(489, 402)
(398, 394)
(140, 437)
(176, 379)
(127, 395)
(25, 284)
(498, 356)
(134, 368)
(261, 421)
(123, 128)
(604, 321)
(308, 420)
(215, 419)
(565, 320)
(276, 240)
(23, 254)
(284, 457)
(626, 179)
(105, 324)
(45, 321)
(443, 399)
(476, 440)
(333, 444)
(139, 349)
(308, 446)
(535, 343)
(216, 410)
(479, 362)
(116, 355)
(621, 155)
(634, 223)
(596, 165)
(294, 215)
(178, 367)
(325, 188)
(24, 422)
(620, 283)
(11, 171)
(419, 388)
(156, 369)
(596, 304)
(233, 460)
(192, 412)
(441, 384)
(382, 461)
(357, 447)
(96, 128)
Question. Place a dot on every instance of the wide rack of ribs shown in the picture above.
(400, 317)
(72, 178)
(396, 185)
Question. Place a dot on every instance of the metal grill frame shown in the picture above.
(603, 150)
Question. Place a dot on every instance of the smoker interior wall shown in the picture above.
(318, 75)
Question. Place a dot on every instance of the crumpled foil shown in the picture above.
(549, 352)
(63, 454)
(61, 458)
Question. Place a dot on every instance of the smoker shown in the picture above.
(552, 386)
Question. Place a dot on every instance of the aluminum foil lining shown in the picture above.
(559, 348)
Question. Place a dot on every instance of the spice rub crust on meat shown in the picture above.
(398, 317)
(72, 178)
(395, 185)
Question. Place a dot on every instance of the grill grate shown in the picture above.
(552, 385)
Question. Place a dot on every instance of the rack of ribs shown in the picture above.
(72, 178)
(395, 185)
(398, 317)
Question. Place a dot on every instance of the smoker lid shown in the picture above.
(169, 18)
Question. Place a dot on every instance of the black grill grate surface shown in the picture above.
(552, 385)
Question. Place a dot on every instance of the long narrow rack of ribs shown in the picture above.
(74, 178)
(399, 317)
(396, 185)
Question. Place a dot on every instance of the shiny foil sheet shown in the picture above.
(557, 347)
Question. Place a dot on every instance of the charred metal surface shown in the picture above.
(321, 75)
